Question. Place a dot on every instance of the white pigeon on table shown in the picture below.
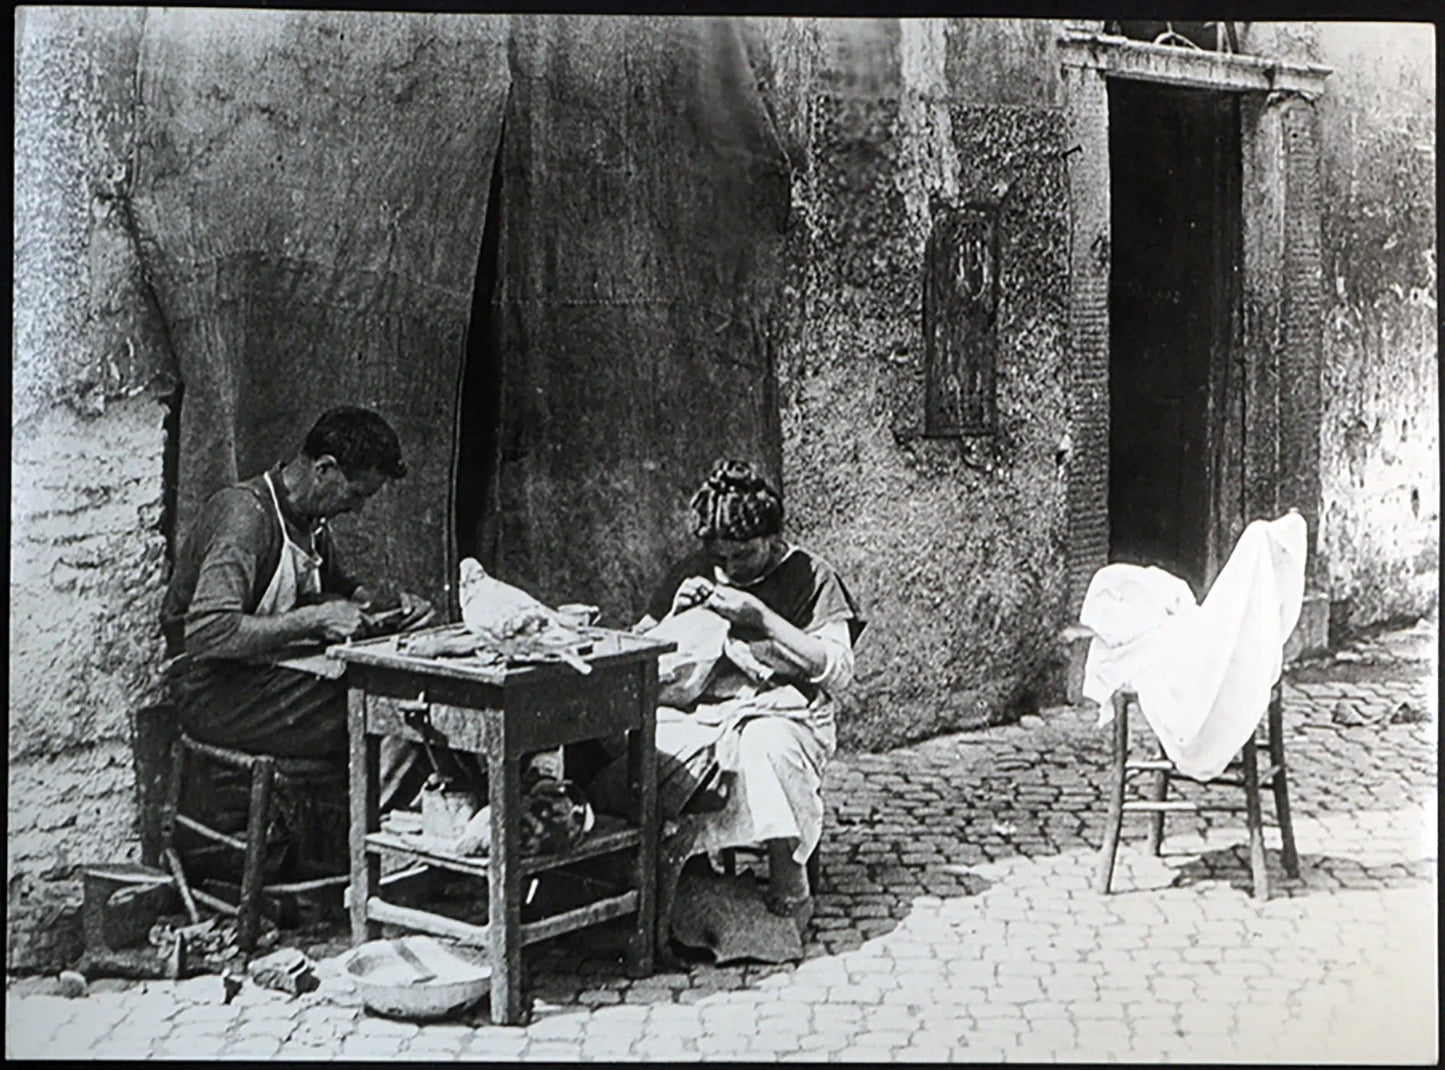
(498, 610)
(502, 613)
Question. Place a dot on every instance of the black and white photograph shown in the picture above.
(695, 536)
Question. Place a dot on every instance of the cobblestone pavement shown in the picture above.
(956, 922)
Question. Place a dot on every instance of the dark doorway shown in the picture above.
(479, 408)
(1174, 166)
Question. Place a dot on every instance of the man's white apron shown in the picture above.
(297, 572)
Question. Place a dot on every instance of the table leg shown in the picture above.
(504, 913)
(365, 815)
(642, 777)
(672, 854)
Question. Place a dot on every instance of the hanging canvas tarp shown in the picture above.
(310, 194)
(644, 194)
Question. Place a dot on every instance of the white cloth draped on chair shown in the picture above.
(1203, 673)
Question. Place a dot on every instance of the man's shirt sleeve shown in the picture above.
(239, 544)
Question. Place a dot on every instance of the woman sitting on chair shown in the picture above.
(762, 731)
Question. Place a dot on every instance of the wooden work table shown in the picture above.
(503, 712)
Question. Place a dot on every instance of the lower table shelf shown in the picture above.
(593, 913)
(610, 834)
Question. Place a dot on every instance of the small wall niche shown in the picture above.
(960, 316)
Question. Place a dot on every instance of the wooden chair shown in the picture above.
(266, 774)
(1244, 772)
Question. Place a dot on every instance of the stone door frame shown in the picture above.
(1279, 337)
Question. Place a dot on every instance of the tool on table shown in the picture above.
(445, 765)
(383, 623)
(448, 644)
(567, 648)
(573, 659)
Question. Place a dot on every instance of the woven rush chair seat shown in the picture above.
(290, 804)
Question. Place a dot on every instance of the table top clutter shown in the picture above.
(465, 655)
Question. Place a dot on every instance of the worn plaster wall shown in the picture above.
(955, 546)
(1379, 449)
(90, 367)
(1380, 432)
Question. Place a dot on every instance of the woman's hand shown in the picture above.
(695, 590)
(730, 603)
(737, 607)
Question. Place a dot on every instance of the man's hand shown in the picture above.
(336, 620)
(416, 612)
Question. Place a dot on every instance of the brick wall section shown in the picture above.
(1281, 336)
(1262, 191)
(1088, 345)
(87, 557)
(64, 811)
(1300, 356)
(87, 568)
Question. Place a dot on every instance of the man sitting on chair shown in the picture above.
(259, 571)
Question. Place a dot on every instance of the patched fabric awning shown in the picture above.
(311, 194)
(311, 189)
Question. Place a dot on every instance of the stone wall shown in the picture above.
(1380, 432)
(87, 556)
(1379, 449)
(954, 545)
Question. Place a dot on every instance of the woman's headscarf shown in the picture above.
(736, 503)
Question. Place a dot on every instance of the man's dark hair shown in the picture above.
(359, 439)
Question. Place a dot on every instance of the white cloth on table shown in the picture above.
(1203, 673)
